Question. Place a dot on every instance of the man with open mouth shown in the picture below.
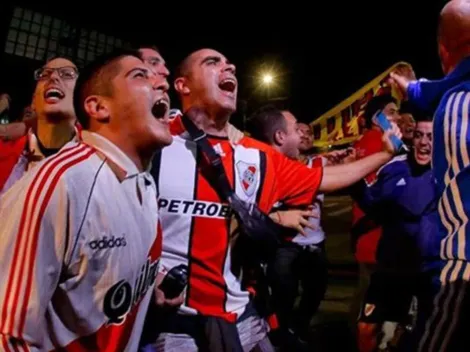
(195, 218)
(54, 125)
(81, 245)
(401, 201)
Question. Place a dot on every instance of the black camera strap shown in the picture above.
(255, 224)
(200, 137)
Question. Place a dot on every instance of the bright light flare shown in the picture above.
(267, 79)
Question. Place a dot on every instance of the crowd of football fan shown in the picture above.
(125, 225)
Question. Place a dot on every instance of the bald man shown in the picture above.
(449, 100)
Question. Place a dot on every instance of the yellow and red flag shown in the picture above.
(339, 125)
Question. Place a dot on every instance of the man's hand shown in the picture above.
(295, 219)
(340, 156)
(13, 131)
(351, 156)
(386, 139)
(401, 77)
(161, 300)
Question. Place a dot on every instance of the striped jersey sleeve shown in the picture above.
(34, 232)
(451, 165)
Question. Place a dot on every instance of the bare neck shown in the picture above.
(213, 124)
(277, 147)
(140, 159)
(458, 57)
(55, 135)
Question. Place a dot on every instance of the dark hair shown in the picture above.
(57, 57)
(422, 118)
(183, 67)
(96, 78)
(407, 108)
(264, 123)
(149, 46)
(375, 104)
(418, 116)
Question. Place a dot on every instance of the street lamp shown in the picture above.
(267, 83)
(267, 79)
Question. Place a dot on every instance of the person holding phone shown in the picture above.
(402, 195)
(365, 232)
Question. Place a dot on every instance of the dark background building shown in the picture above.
(30, 35)
(321, 54)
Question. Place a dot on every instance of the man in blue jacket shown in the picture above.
(400, 200)
(449, 99)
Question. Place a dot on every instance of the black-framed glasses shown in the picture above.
(66, 72)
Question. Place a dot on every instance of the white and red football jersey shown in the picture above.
(316, 235)
(79, 252)
(195, 220)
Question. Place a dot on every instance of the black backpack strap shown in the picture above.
(200, 137)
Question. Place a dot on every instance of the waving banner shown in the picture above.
(340, 125)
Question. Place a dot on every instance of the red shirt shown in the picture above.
(366, 245)
(10, 152)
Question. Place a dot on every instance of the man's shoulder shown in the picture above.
(13, 147)
(459, 92)
(70, 167)
(74, 162)
(397, 164)
(370, 142)
(251, 143)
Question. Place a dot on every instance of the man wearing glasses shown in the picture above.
(55, 125)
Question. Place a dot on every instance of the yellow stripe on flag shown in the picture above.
(343, 118)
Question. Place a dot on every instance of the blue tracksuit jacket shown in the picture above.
(402, 200)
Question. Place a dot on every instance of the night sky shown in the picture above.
(324, 53)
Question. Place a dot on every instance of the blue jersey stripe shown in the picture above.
(450, 163)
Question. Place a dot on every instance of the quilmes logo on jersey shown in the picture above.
(122, 297)
(194, 208)
(248, 174)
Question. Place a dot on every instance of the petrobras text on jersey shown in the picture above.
(194, 208)
(122, 296)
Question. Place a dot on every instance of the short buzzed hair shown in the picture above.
(58, 57)
(423, 118)
(182, 69)
(96, 79)
(149, 46)
(379, 102)
(265, 122)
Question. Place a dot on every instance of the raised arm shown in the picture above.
(341, 176)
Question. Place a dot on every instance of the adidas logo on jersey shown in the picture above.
(108, 243)
(194, 208)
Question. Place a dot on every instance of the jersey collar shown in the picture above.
(112, 152)
(32, 147)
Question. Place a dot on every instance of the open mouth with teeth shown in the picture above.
(423, 155)
(160, 109)
(422, 151)
(228, 85)
(52, 95)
